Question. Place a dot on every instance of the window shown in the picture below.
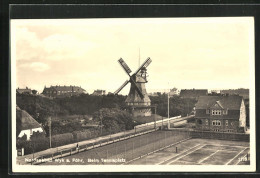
(207, 111)
(199, 121)
(216, 122)
(226, 122)
(216, 112)
(206, 122)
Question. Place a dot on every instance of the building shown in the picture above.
(26, 124)
(193, 93)
(241, 92)
(24, 90)
(62, 91)
(99, 92)
(221, 113)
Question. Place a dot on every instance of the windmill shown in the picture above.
(137, 99)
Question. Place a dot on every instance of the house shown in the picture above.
(62, 91)
(26, 124)
(221, 113)
(24, 90)
(193, 93)
(99, 92)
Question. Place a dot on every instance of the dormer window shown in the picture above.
(207, 111)
(216, 112)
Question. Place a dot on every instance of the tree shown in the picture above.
(114, 119)
(34, 92)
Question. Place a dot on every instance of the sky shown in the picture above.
(186, 53)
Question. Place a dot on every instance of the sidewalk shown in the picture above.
(21, 159)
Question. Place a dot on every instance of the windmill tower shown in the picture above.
(138, 102)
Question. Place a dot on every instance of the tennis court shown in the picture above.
(199, 152)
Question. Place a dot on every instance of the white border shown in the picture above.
(142, 168)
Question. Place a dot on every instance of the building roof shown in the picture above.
(99, 92)
(25, 121)
(23, 90)
(232, 102)
(65, 88)
(241, 92)
(193, 92)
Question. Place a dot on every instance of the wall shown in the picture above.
(220, 135)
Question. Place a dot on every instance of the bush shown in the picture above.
(31, 146)
(62, 139)
(84, 135)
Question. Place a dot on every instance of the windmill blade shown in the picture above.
(136, 87)
(145, 64)
(125, 66)
(120, 88)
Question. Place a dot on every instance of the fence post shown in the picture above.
(133, 150)
(125, 151)
(164, 138)
(116, 149)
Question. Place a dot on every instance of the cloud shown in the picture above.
(39, 67)
(56, 47)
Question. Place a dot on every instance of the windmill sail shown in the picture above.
(145, 64)
(136, 87)
(125, 66)
(120, 88)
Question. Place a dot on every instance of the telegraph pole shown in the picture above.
(168, 101)
(101, 118)
(50, 130)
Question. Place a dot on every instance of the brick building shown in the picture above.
(99, 92)
(62, 91)
(193, 93)
(24, 90)
(221, 113)
(241, 92)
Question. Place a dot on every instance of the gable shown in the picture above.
(217, 105)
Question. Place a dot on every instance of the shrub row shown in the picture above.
(84, 135)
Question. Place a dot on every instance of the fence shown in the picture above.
(135, 147)
(129, 147)
(132, 146)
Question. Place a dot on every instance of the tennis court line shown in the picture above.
(236, 156)
(186, 154)
(227, 146)
(178, 154)
(228, 151)
(200, 161)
